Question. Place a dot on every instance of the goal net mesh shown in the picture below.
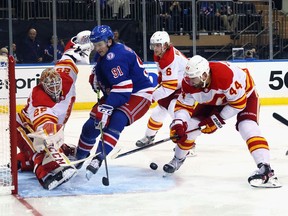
(6, 183)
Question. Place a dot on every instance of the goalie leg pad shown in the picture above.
(43, 165)
(24, 162)
(54, 180)
(49, 173)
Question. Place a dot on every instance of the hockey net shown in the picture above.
(8, 149)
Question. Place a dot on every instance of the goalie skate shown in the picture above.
(53, 181)
(264, 178)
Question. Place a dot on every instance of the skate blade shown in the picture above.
(89, 175)
(167, 175)
(272, 183)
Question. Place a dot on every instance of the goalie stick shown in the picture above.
(50, 152)
(280, 118)
(117, 155)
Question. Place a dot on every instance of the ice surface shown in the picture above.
(212, 183)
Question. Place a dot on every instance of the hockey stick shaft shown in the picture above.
(280, 118)
(117, 155)
(105, 180)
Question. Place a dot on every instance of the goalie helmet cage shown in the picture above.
(8, 142)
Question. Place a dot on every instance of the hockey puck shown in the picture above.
(153, 166)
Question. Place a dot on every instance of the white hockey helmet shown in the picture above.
(52, 83)
(196, 67)
(159, 37)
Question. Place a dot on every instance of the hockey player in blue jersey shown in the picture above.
(127, 93)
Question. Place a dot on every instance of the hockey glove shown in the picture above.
(211, 124)
(178, 130)
(93, 82)
(103, 114)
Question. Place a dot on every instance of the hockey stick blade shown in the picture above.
(280, 118)
(79, 161)
(105, 181)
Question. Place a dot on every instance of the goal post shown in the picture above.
(8, 135)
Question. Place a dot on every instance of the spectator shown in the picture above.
(49, 50)
(14, 53)
(228, 18)
(4, 51)
(116, 37)
(251, 54)
(117, 5)
(165, 16)
(31, 49)
(176, 15)
(207, 15)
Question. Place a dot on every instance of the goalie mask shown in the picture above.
(51, 83)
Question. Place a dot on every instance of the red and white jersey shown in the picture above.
(171, 68)
(230, 87)
(40, 108)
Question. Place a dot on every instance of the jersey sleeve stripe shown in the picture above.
(240, 103)
(249, 81)
(171, 84)
(180, 106)
(68, 63)
(43, 119)
(125, 86)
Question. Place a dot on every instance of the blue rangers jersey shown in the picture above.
(120, 73)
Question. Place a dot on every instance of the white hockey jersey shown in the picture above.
(40, 108)
(230, 87)
(171, 68)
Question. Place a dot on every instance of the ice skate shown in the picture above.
(146, 140)
(264, 177)
(173, 165)
(192, 152)
(52, 180)
(93, 167)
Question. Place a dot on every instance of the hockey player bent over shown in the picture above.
(170, 64)
(41, 121)
(222, 91)
(127, 93)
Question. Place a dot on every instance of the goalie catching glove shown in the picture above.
(178, 131)
(104, 111)
(211, 124)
